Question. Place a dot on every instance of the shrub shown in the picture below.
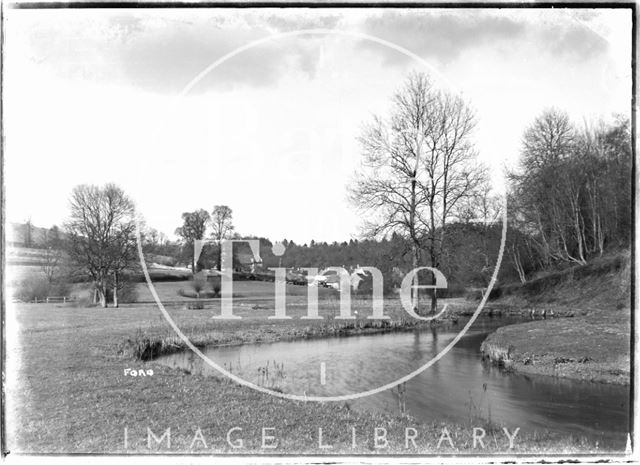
(185, 293)
(31, 288)
(199, 282)
(216, 286)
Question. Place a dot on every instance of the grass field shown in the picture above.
(168, 290)
(594, 347)
(68, 393)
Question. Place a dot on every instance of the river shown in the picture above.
(459, 388)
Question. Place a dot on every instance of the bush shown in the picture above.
(38, 287)
(199, 282)
(31, 288)
(216, 286)
(185, 293)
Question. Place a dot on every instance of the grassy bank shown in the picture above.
(69, 394)
(602, 283)
(595, 347)
(592, 346)
(151, 341)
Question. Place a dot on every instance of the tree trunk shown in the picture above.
(415, 257)
(517, 263)
(434, 295)
(103, 295)
(115, 290)
(600, 237)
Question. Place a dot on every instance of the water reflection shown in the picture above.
(458, 388)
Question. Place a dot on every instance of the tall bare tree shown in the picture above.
(194, 227)
(550, 186)
(571, 193)
(222, 228)
(52, 255)
(418, 165)
(101, 236)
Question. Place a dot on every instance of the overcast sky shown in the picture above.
(91, 96)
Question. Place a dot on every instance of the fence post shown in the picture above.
(36, 300)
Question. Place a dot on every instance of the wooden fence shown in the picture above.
(55, 300)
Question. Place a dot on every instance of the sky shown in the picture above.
(131, 97)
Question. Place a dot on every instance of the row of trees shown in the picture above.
(571, 195)
(426, 199)
(196, 224)
(467, 260)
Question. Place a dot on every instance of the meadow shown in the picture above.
(169, 291)
(68, 391)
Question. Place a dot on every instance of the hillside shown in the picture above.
(594, 345)
(603, 283)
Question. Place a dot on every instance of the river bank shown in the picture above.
(590, 347)
(256, 327)
(73, 396)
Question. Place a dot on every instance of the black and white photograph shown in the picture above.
(318, 232)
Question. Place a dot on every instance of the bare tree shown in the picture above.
(194, 227)
(222, 227)
(571, 193)
(550, 186)
(482, 208)
(50, 265)
(153, 240)
(52, 256)
(418, 165)
(101, 236)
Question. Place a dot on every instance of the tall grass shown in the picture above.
(497, 354)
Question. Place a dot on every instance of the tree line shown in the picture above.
(425, 198)
(570, 197)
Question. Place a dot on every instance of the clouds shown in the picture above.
(166, 61)
(575, 41)
(87, 88)
(436, 35)
(166, 57)
(163, 53)
(445, 35)
(281, 23)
